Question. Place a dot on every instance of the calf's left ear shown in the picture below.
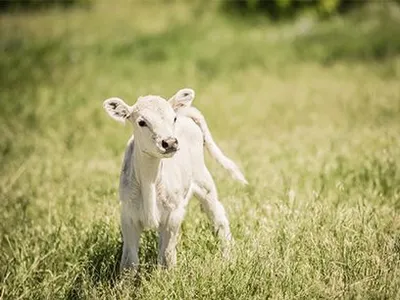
(182, 98)
(117, 109)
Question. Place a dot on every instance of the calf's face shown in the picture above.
(153, 120)
(154, 123)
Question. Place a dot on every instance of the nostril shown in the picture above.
(175, 143)
(164, 144)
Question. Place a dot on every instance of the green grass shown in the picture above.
(309, 109)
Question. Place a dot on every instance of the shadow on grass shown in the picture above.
(100, 258)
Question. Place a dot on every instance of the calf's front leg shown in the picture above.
(131, 231)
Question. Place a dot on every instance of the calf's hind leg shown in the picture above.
(168, 239)
(206, 191)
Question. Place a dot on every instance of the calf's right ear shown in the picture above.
(117, 109)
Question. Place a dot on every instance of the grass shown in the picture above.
(310, 110)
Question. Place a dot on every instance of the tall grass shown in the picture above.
(310, 109)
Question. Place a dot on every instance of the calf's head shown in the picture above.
(153, 121)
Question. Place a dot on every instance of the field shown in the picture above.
(309, 109)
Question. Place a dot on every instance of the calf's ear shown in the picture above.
(182, 98)
(117, 109)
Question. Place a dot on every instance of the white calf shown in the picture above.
(163, 167)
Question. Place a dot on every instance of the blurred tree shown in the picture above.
(277, 9)
(14, 5)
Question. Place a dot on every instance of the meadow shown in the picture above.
(309, 108)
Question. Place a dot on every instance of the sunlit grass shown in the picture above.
(313, 125)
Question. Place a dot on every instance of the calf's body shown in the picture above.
(155, 188)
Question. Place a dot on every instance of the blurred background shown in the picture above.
(303, 94)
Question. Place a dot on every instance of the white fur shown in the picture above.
(155, 186)
(181, 103)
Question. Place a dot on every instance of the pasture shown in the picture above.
(310, 110)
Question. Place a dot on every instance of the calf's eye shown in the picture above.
(174, 119)
(142, 123)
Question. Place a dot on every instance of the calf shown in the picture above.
(162, 168)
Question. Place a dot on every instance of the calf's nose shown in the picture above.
(169, 143)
